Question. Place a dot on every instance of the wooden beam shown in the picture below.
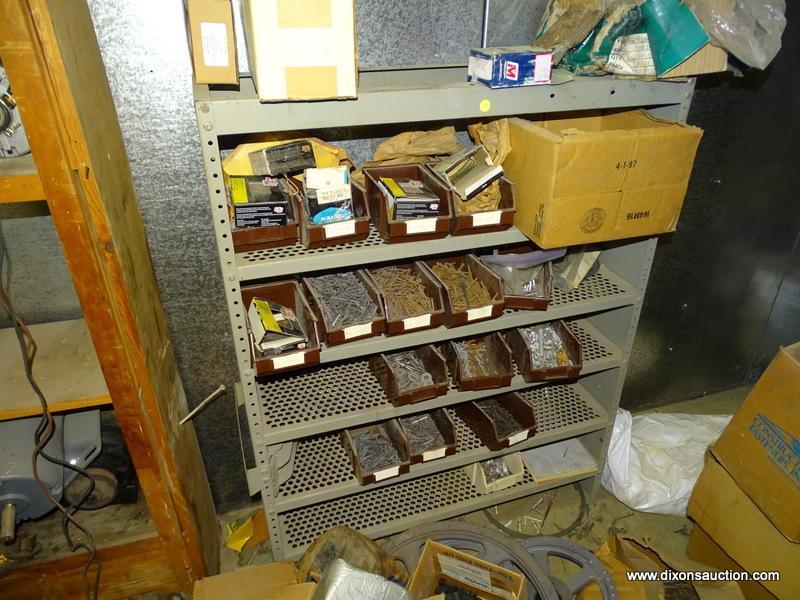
(19, 180)
(50, 52)
(129, 570)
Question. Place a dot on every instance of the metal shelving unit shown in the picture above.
(304, 412)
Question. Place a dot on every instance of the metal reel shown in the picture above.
(592, 569)
(483, 542)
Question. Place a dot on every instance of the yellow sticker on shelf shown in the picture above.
(485, 105)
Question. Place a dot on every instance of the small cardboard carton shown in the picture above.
(760, 447)
(598, 177)
(212, 41)
(487, 580)
(301, 49)
(741, 529)
(273, 581)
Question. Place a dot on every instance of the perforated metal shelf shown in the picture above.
(291, 260)
(322, 470)
(602, 291)
(347, 394)
(387, 510)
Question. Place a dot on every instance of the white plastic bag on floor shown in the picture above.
(654, 460)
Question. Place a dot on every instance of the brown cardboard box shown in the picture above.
(591, 177)
(488, 580)
(213, 45)
(760, 448)
(734, 522)
(301, 49)
(704, 550)
(273, 581)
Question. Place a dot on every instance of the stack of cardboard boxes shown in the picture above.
(746, 504)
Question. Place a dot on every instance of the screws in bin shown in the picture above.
(547, 347)
(375, 451)
(422, 433)
(343, 299)
(409, 371)
(494, 469)
(465, 290)
(504, 422)
(403, 290)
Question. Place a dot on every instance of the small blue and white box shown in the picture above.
(512, 66)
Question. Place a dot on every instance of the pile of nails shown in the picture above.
(343, 299)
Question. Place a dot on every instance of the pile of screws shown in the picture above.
(465, 290)
(475, 357)
(422, 433)
(494, 469)
(547, 348)
(409, 371)
(374, 450)
(403, 291)
(343, 299)
(504, 422)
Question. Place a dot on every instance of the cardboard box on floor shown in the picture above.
(760, 448)
(597, 177)
(704, 550)
(742, 530)
(273, 581)
(212, 41)
(489, 581)
(301, 49)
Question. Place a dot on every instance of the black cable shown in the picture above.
(564, 532)
(44, 432)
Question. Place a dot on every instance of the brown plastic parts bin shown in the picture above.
(287, 293)
(445, 426)
(530, 302)
(480, 423)
(394, 432)
(502, 354)
(522, 355)
(433, 361)
(334, 234)
(246, 239)
(394, 231)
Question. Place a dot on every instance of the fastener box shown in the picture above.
(212, 43)
(513, 66)
(487, 580)
(598, 177)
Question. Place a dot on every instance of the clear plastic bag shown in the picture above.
(749, 29)
(476, 358)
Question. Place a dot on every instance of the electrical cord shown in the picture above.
(44, 432)
(564, 532)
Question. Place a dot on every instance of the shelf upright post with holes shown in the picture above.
(308, 408)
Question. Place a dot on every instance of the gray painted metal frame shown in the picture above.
(408, 96)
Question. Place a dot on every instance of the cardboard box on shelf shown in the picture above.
(760, 448)
(273, 581)
(488, 580)
(597, 177)
(212, 41)
(741, 529)
(301, 49)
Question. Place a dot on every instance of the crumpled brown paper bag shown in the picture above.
(495, 137)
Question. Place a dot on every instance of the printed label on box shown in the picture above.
(289, 360)
(631, 55)
(479, 313)
(357, 330)
(433, 454)
(782, 447)
(214, 38)
(491, 217)
(421, 225)
(511, 70)
(542, 68)
(416, 322)
(386, 473)
(518, 437)
(465, 572)
(333, 230)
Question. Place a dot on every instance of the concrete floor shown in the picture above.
(556, 509)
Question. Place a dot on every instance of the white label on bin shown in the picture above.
(357, 330)
(491, 217)
(416, 322)
(214, 38)
(465, 572)
(433, 454)
(518, 437)
(479, 313)
(333, 230)
(386, 473)
(289, 360)
(421, 225)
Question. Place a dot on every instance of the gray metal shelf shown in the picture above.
(602, 291)
(322, 470)
(394, 508)
(306, 404)
(419, 95)
(291, 260)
